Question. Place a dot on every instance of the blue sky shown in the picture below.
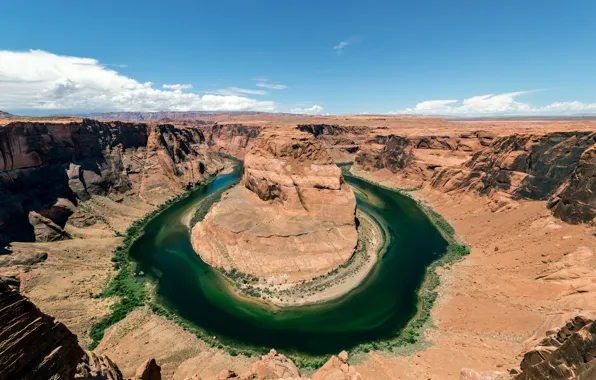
(429, 57)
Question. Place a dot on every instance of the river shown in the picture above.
(376, 309)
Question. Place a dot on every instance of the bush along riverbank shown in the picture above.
(130, 291)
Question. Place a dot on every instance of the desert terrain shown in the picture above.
(518, 193)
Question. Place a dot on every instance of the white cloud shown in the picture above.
(177, 87)
(238, 90)
(264, 83)
(339, 47)
(314, 110)
(272, 86)
(493, 104)
(41, 80)
(352, 40)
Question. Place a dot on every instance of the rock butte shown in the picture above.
(292, 216)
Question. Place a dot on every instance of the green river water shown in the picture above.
(375, 310)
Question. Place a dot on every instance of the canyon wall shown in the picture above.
(47, 169)
(558, 167)
(292, 215)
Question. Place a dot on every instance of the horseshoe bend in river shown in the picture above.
(378, 308)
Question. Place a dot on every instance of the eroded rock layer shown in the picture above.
(558, 165)
(292, 215)
(46, 169)
(568, 353)
(32, 344)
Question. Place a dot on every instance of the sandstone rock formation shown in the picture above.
(391, 152)
(575, 200)
(99, 367)
(525, 166)
(232, 139)
(292, 215)
(148, 371)
(47, 169)
(415, 158)
(337, 368)
(569, 353)
(32, 344)
(532, 167)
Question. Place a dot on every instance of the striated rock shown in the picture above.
(337, 368)
(292, 215)
(390, 152)
(558, 165)
(271, 366)
(569, 353)
(148, 371)
(97, 367)
(575, 200)
(525, 166)
(32, 344)
(49, 168)
(45, 229)
(13, 282)
(232, 139)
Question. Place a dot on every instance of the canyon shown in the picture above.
(519, 193)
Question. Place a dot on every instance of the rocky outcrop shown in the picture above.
(47, 169)
(292, 216)
(569, 353)
(337, 368)
(466, 142)
(32, 344)
(232, 139)
(402, 154)
(149, 370)
(271, 366)
(556, 165)
(98, 367)
(525, 166)
(390, 152)
(575, 200)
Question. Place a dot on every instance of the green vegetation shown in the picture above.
(130, 290)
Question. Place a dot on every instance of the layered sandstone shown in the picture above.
(575, 200)
(293, 215)
(566, 353)
(32, 344)
(532, 167)
(47, 169)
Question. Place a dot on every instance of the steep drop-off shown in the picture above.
(47, 169)
(558, 165)
(292, 217)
